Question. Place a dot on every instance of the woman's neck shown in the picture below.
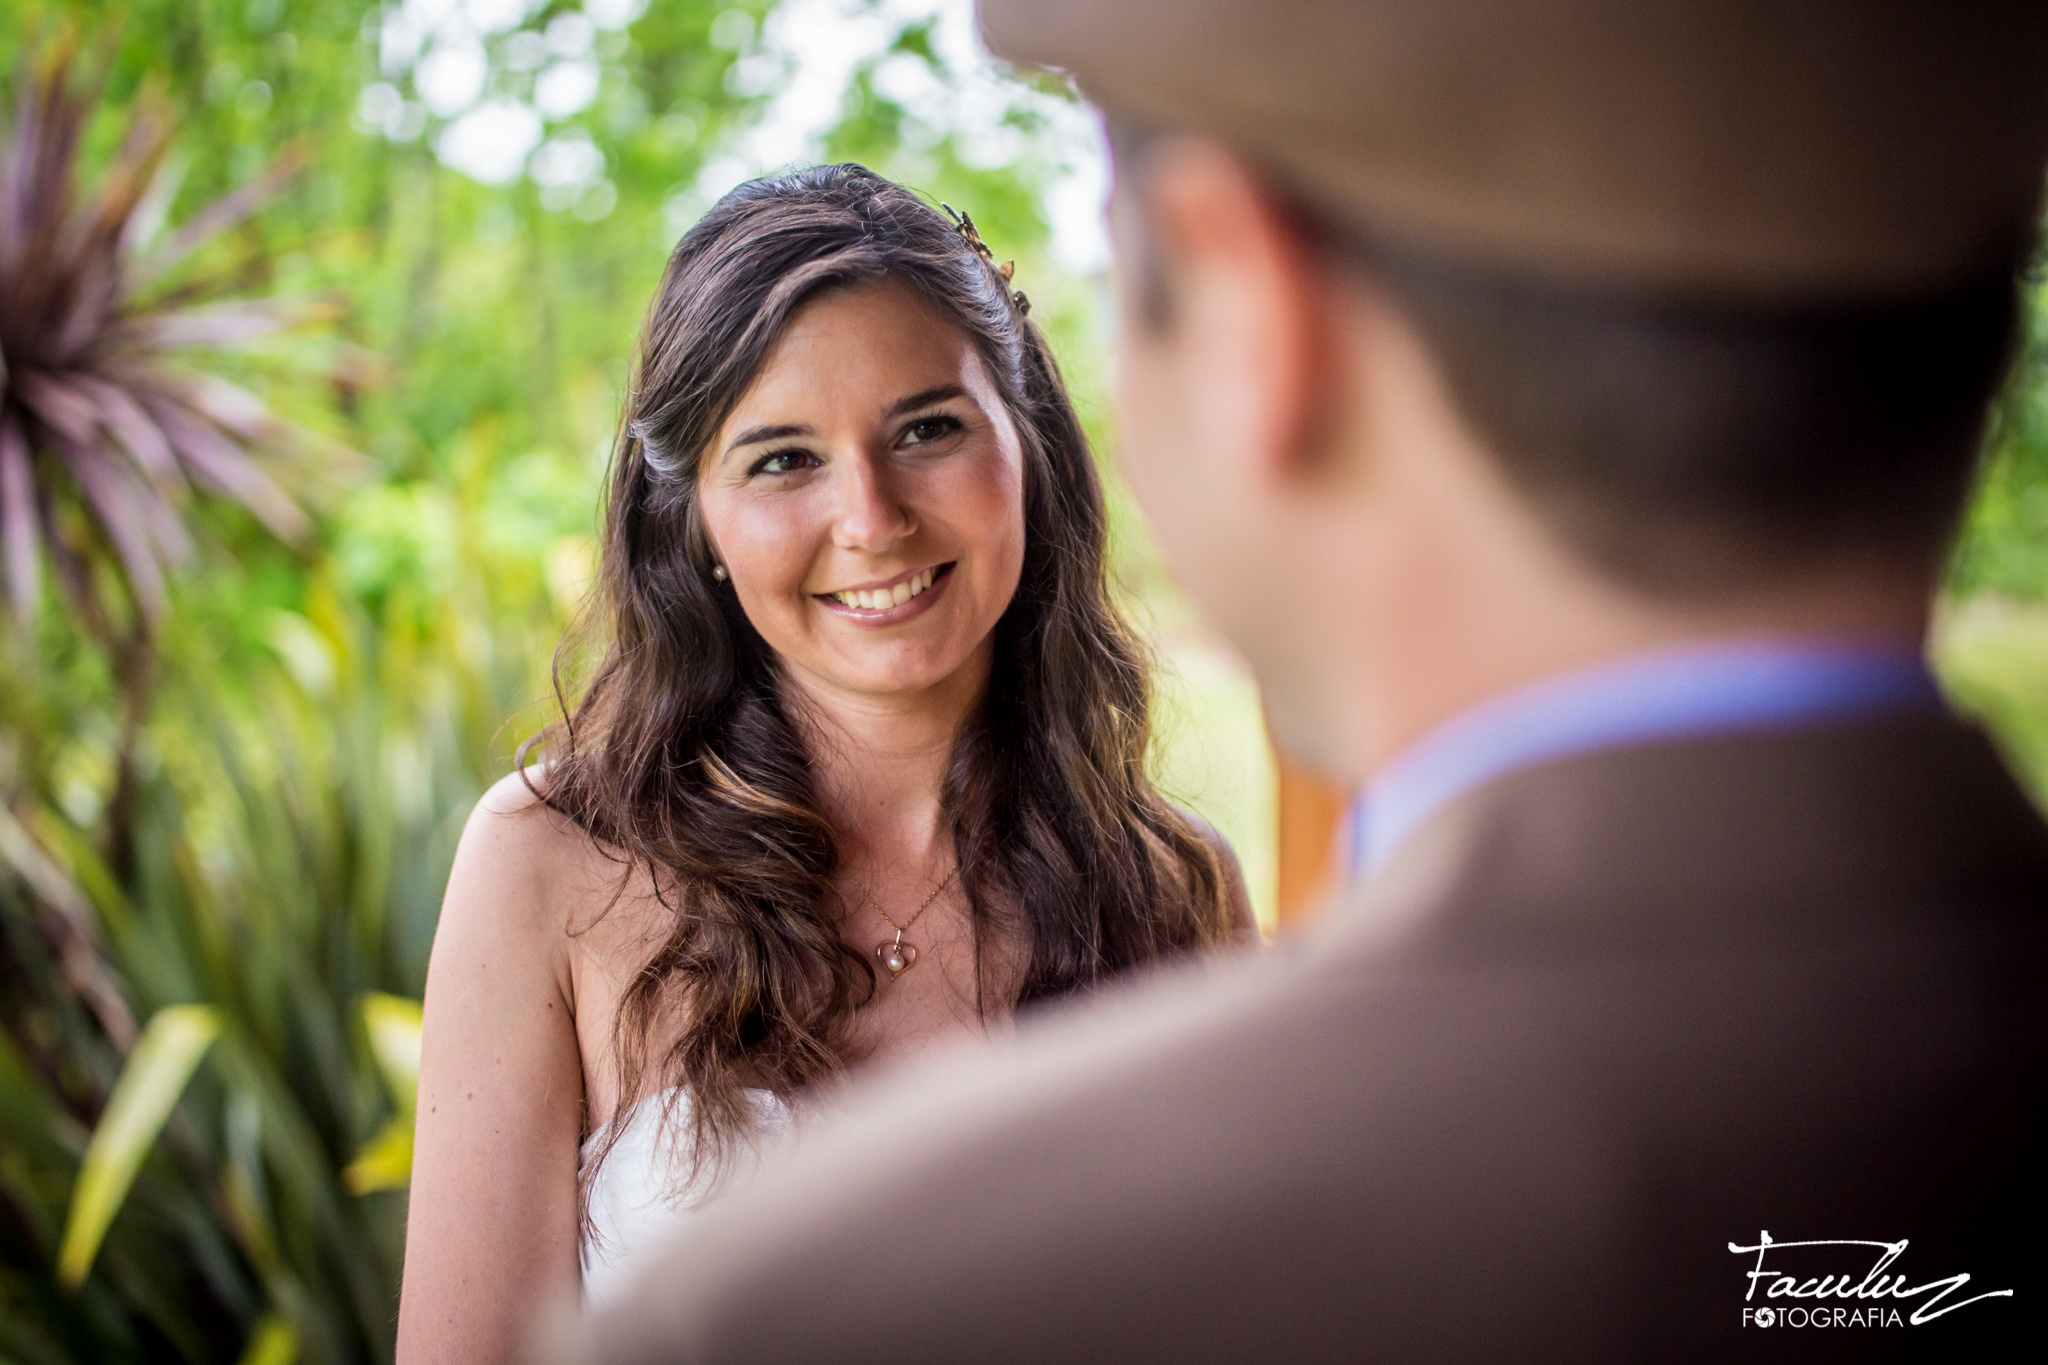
(880, 760)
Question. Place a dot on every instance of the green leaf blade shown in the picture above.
(169, 1051)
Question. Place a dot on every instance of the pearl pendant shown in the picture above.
(896, 958)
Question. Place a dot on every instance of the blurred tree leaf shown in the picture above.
(385, 1161)
(274, 1342)
(394, 1026)
(163, 1060)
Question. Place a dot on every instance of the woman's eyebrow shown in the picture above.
(755, 435)
(938, 393)
(925, 398)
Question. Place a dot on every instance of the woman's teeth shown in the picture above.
(878, 598)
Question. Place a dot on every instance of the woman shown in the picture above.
(861, 764)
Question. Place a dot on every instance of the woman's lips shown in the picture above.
(888, 604)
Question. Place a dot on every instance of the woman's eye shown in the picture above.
(782, 462)
(928, 429)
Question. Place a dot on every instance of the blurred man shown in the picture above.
(1566, 406)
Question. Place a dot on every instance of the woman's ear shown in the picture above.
(698, 545)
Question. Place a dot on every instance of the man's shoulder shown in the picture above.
(1431, 1101)
(1828, 833)
(1173, 1171)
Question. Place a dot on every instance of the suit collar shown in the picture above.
(1714, 836)
(1697, 690)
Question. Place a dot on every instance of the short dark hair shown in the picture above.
(1679, 444)
(1684, 444)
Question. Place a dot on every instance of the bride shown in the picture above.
(859, 765)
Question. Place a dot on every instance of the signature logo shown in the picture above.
(1875, 1298)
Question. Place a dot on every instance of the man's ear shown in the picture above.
(1252, 291)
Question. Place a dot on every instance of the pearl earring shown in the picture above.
(718, 572)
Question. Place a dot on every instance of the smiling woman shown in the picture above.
(871, 477)
(859, 766)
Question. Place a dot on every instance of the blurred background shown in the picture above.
(314, 319)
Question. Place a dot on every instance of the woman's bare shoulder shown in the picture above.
(501, 1091)
(524, 865)
(533, 869)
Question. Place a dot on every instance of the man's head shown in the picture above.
(1424, 399)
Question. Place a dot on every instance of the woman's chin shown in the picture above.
(900, 669)
(887, 684)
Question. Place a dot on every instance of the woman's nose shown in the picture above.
(872, 515)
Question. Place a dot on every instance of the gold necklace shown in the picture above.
(897, 956)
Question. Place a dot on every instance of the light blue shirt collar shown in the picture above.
(1676, 694)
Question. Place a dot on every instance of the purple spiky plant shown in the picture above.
(108, 426)
(102, 409)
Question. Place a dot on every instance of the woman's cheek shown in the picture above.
(771, 548)
(993, 495)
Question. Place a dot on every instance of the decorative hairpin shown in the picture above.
(964, 225)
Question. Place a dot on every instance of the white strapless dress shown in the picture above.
(639, 1201)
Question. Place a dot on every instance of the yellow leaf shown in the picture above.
(273, 1342)
(164, 1059)
(385, 1162)
(393, 1024)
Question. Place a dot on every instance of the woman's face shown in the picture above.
(866, 497)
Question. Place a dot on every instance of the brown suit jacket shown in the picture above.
(1596, 1022)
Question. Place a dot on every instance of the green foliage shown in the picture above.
(294, 826)
(162, 1061)
(1991, 640)
(324, 715)
(2004, 546)
(395, 1027)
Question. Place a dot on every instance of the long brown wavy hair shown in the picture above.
(681, 758)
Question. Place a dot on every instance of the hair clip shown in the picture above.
(964, 225)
